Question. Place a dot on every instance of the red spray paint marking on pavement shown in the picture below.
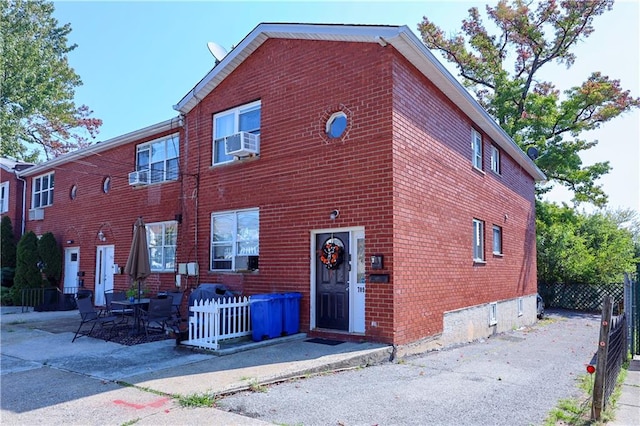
(155, 404)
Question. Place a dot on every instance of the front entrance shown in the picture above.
(104, 272)
(71, 268)
(332, 281)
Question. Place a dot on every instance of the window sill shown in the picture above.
(479, 262)
(496, 173)
(477, 170)
(498, 254)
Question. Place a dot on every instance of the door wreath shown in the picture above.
(331, 255)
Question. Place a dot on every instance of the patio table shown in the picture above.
(135, 305)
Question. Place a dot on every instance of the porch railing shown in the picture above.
(212, 321)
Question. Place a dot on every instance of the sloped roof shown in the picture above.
(400, 37)
(103, 146)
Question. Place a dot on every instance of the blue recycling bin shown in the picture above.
(291, 313)
(266, 316)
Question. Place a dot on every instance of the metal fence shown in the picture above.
(48, 299)
(612, 352)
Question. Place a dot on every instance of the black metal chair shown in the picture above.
(115, 309)
(157, 315)
(177, 303)
(90, 315)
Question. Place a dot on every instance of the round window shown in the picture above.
(73, 193)
(106, 184)
(336, 125)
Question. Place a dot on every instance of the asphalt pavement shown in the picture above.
(514, 378)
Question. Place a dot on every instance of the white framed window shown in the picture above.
(493, 313)
(245, 118)
(336, 125)
(42, 191)
(497, 239)
(476, 149)
(234, 234)
(520, 306)
(157, 161)
(162, 238)
(4, 197)
(495, 160)
(478, 240)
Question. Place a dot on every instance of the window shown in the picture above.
(106, 185)
(42, 191)
(159, 159)
(493, 313)
(520, 306)
(336, 125)
(476, 149)
(242, 119)
(234, 234)
(73, 192)
(497, 240)
(4, 197)
(495, 160)
(162, 238)
(478, 240)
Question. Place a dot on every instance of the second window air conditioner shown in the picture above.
(139, 177)
(242, 144)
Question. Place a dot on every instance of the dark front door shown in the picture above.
(332, 281)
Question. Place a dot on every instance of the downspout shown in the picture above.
(24, 203)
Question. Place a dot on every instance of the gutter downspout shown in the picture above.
(24, 203)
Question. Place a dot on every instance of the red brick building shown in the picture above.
(341, 162)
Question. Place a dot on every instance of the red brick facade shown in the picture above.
(402, 173)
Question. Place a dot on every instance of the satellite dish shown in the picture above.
(532, 152)
(217, 51)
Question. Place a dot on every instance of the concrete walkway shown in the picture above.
(92, 381)
(628, 408)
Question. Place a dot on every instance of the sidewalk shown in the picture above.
(628, 408)
(82, 382)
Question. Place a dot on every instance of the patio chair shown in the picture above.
(157, 315)
(115, 309)
(90, 315)
(175, 306)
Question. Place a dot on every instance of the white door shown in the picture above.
(71, 268)
(104, 272)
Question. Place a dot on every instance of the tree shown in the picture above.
(530, 110)
(582, 248)
(37, 85)
(7, 244)
(50, 258)
(27, 272)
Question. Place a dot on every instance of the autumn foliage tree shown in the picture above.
(503, 68)
(38, 114)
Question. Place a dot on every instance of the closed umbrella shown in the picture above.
(138, 261)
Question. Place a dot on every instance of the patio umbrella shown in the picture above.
(138, 261)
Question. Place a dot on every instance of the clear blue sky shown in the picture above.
(138, 59)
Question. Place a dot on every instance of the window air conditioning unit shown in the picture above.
(246, 263)
(241, 144)
(36, 214)
(140, 177)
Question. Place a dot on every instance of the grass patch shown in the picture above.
(255, 386)
(197, 400)
(577, 411)
(131, 422)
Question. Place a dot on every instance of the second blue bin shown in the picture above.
(275, 314)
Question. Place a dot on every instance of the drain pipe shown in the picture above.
(24, 202)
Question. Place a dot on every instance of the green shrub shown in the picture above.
(28, 274)
(6, 298)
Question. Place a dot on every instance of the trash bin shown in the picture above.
(266, 316)
(291, 313)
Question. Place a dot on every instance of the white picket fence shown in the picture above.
(216, 320)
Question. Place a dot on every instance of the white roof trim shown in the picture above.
(161, 127)
(400, 37)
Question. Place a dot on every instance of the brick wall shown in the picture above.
(438, 194)
(114, 213)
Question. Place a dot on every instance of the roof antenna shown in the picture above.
(217, 51)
